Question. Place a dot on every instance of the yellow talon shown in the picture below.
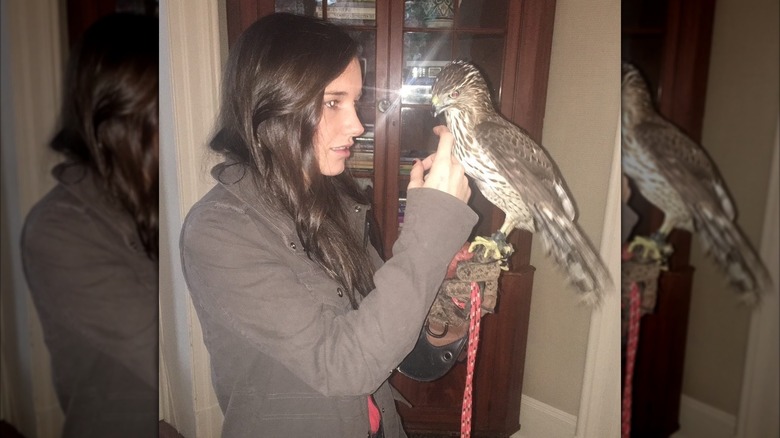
(491, 247)
(493, 250)
(650, 249)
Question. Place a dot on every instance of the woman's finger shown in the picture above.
(416, 175)
(446, 141)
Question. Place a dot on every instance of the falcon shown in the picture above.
(676, 175)
(515, 174)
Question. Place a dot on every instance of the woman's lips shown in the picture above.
(341, 150)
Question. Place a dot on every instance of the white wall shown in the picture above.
(581, 120)
(740, 122)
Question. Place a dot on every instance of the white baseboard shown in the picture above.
(700, 420)
(539, 420)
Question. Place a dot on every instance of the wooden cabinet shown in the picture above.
(404, 45)
(669, 41)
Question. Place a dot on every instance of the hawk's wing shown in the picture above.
(688, 168)
(523, 163)
(528, 169)
(685, 165)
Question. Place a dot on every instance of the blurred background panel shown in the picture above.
(82, 13)
(35, 37)
(712, 66)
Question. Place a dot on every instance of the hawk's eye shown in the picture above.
(455, 94)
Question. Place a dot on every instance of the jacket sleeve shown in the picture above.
(83, 282)
(235, 275)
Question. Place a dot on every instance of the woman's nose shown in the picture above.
(354, 126)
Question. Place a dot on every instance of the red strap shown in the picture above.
(631, 347)
(474, 318)
(373, 415)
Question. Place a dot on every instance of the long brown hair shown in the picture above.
(272, 101)
(109, 119)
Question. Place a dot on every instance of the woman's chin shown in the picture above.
(334, 169)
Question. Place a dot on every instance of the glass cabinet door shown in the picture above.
(350, 13)
(436, 32)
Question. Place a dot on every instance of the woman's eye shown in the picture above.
(331, 103)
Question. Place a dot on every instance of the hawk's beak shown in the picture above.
(435, 108)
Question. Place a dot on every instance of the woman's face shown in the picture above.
(339, 122)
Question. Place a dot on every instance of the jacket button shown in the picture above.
(358, 208)
(293, 246)
(340, 292)
(383, 410)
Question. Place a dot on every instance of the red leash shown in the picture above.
(474, 317)
(631, 347)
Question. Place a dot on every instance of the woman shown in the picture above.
(89, 247)
(302, 329)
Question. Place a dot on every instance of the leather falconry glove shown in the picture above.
(446, 330)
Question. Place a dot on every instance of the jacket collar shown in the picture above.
(238, 179)
(80, 182)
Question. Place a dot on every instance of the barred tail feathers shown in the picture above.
(723, 241)
(572, 252)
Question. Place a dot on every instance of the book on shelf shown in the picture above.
(350, 10)
(412, 154)
(407, 160)
(361, 164)
(366, 137)
(364, 165)
(423, 81)
(367, 167)
(401, 212)
(362, 152)
(437, 65)
(365, 141)
(362, 156)
(361, 169)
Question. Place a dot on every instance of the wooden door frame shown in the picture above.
(600, 400)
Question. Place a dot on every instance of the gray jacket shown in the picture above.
(289, 356)
(95, 291)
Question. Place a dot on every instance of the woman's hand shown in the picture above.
(444, 172)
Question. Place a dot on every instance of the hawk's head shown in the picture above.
(460, 86)
(635, 96)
